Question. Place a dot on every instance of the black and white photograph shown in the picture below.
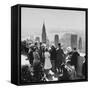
(44, 44)
(53, 45)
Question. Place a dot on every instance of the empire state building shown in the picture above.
(44, 34)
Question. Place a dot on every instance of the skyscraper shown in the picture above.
(74, 41)
(56, 40)
(80, 44)
(37, 39)
(44, 34)
(65, 40)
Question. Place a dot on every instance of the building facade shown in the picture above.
(44, 34)
(56, 40)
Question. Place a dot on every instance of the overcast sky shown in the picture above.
(56, 21)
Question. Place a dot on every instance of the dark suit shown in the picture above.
(53, 58)
(74, 59)
(60, 57)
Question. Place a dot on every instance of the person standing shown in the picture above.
(47, 64)
(59, 57)
(53, 57)
(36, 56)
(37, 68)
(41, 53)
(84, 68)
(74, 58)
(30, 56)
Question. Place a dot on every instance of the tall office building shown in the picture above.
(37, 39)
(44, 34)
(56, 40)
(73, 41)
(65, 40)
(80, 44)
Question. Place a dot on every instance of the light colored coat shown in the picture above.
(47, 64)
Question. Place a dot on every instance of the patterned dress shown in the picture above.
(47, 64)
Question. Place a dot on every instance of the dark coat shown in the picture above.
(59, 56)
(41, 54)
(74, 59)
(53, 54)
(84, 68)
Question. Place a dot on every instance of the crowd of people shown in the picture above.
(52, 62)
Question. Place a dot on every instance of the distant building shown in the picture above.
(80, 44)
(56, 40)
(32, 37)
(44, 34)
(47, 43)
(65, 40)
(37, 39)
(74, 41)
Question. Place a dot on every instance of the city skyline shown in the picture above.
(56, 22)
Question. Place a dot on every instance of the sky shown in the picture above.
(56, 22)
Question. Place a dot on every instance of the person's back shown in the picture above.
(53, 58)
(40, 52)
(53, 54)
(74, 58)
(43, 56)
(60, 55)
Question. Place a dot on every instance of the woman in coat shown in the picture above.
(47, 64)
